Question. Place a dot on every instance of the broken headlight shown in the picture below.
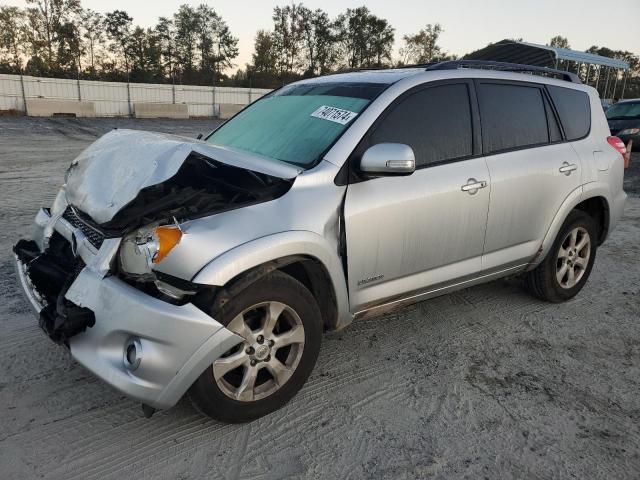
(143, 248)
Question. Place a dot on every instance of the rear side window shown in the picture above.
(513, 116)
(435, 122)
(574, 110)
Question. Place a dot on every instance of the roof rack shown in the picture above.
(503, 66)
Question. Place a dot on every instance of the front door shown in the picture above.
(424, 231)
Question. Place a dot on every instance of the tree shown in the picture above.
(216, 44)
(318, 41)
(69, 47)
(92, 30)
(143, 48)
(264, 57)
(365, 40)
(423, 46)
(381, 36)
(287, 37)
(559, 42)
(187, 24)
(166, 33)
(53, 30)
(12, 35)
(118, 28)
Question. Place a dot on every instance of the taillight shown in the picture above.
(618, 144)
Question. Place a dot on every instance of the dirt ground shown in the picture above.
(484, 383)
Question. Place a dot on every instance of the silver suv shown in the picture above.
(169, 265)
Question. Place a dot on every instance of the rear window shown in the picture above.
(513, 116)
(574, 110)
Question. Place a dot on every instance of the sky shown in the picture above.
(468, 24)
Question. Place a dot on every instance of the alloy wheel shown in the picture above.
(274, 338)
(573, 257)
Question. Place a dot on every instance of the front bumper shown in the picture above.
(178, 342)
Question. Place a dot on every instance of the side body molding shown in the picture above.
(225, 267)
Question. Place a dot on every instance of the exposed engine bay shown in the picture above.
(201, 187)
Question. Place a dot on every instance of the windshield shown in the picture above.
(624, 110)
(297, 124)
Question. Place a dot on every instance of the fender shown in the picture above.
(242, 258)
(580, 194)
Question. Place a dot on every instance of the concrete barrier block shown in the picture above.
(47, 107)
(228, 110)
(161, 110)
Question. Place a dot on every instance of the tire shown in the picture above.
(279, 374)
(547, 281)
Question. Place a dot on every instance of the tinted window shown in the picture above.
(435, 122)
(574, 110)
(513, 116)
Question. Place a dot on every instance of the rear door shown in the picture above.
(425, 230)
(532, 169)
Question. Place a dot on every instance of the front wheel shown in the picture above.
(567, 266)
(280, 323)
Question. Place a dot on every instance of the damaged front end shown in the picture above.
(90, 270)
(132, 190)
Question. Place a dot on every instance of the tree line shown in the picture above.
(305, 43)
(60, 38)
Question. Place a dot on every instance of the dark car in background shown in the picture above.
(624, 121)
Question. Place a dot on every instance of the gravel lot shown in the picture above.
(486, 382)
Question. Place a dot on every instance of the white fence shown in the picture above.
(113, 99)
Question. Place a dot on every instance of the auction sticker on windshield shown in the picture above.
(334, 114)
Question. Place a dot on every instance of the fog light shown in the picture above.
(132, 353)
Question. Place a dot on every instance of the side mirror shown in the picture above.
(388, 159)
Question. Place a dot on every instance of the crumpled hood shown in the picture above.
(111, 172)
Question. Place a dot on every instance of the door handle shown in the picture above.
(567, 168)
(473, 186)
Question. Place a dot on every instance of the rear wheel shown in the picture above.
(567, 266)
(281, 325)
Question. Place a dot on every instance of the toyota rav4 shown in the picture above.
(211, 267)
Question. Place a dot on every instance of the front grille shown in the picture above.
(94, 236)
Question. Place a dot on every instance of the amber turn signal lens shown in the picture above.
(168, 237)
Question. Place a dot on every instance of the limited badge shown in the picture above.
(334, 114)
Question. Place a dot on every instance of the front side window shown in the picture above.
(435, 122)
(297, 124)
(512, 116)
